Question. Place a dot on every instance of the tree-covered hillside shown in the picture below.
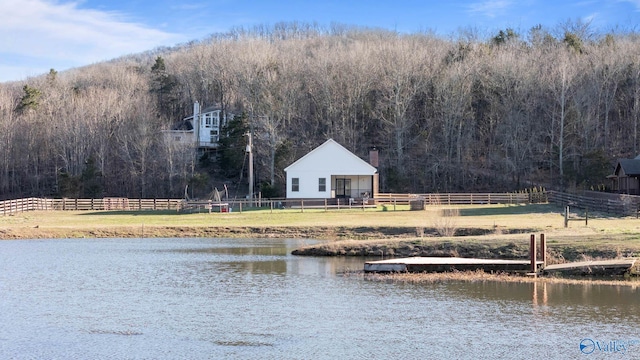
(553, 108)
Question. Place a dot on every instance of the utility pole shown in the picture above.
(250, 151)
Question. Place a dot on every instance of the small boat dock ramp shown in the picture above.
(444, 264)
(614, 267)
(531, 266)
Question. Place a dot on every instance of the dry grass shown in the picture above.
(481, 276)
(487, 216)
(446, 222)
(500, 220)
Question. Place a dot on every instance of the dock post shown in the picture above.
(532, 253)
(586, 217)
(543, 251)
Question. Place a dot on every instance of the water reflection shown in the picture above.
(227, 255)
(540, 299)
(251, 299)
(239, 250)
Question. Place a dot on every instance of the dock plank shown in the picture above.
(443, 264)
(595, 267)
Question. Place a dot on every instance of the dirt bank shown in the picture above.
(366, 241)
(462, 248)
(298, 232)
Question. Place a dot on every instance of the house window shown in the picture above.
(322, 184)
(216, 119)
(207, 120)
(213, 134)
(295, 184)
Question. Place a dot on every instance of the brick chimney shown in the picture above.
(373, 157)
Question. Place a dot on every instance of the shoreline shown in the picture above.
(512, 249)
(367, 241)
(328, 233)
(481, 276)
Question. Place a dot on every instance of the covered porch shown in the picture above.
(355, 188)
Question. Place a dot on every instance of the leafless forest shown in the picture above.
(553, 108)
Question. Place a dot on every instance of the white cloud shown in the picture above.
(62, 33)
(590, 18)
(635, 3)
(490, 8)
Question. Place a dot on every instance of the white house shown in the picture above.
(331, 171)
(201, 130)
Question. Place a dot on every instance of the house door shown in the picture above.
(343, 188)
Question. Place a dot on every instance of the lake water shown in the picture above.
(251, 299)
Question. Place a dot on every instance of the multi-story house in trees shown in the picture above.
(201, 130)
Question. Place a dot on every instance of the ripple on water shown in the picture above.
(167, 298)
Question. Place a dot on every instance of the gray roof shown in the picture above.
(631, 167)
(183, 125)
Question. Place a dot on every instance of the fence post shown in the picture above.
(586, 217)
(325, 205)
(301, 205)
(532, 253)
(566, 216)
(543, 251)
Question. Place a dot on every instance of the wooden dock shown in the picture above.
(596, 268)
(616, 267)
(533, 266)
(444, 264)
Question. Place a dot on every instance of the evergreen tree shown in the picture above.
(233, 146)
(504, 37)
(165, 86)
(91, 179)
(30, 100)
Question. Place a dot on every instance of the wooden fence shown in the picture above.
(619, 204)
(464, 198)
(388, 199)
(20, 205)
(29, 204)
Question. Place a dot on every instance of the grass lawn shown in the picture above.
(536, 218)
(355, 231)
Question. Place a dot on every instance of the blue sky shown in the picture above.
(37, 35)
